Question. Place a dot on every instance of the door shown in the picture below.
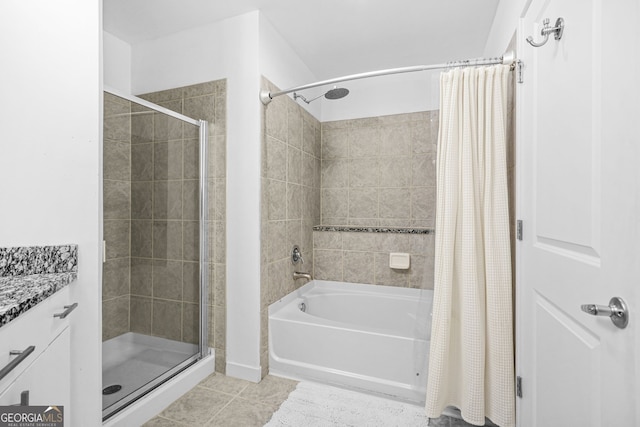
(578, 197)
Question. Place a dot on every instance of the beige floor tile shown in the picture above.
(162, 422)
(224, 384)
(271, 390)
(196, 407)
(243, 413)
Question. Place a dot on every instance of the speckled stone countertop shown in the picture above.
(29, 275)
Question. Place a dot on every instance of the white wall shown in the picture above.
(227, 49)
(385, 95)
(379, 96)
(283, 67)
(50, 159)
(117, 63)
(504, 25)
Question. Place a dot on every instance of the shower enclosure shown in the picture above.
(155, 273)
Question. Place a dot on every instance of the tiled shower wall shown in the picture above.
(206, 101)
(378, 171)
(117, 216)
(290, 200)
(164, 240)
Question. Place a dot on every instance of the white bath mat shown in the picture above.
(315, 405)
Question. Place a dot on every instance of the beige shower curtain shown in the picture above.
(471, 362)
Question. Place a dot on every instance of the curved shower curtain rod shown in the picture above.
(507, 59)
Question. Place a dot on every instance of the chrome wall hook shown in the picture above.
(558, 29)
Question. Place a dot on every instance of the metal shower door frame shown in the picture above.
(203, 344)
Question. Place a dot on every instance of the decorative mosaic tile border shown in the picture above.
(24, 261)
(374, 229)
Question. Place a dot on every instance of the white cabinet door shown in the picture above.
(46, 378)
(37, 327)
(579, 194)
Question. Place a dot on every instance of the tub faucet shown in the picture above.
(300, 275)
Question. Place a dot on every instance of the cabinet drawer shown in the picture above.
(37, 327)
(46, 379)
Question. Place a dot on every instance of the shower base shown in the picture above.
(132, 360)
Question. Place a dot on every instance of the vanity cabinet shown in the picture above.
(45, 372)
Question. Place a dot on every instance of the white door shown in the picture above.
(579, 198)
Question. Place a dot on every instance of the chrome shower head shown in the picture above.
(335, 93)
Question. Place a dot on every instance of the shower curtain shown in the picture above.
(471, 362)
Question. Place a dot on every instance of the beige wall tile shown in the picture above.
(357, 267)
(118, 127)
(167, 160)
(191, 282)
(167, 240)
(190, 323)
(115, 278)
(191, 240)
(191, 159)
(200, 107)
(142, 126)
(294, 124)
(117, 199)
(167, 128)
(115, 317)
(141, 315)
(117, 160)
(142, 162)
(335, 203)
(327, 240)
(167, 279)
(395, 140)
(327, 264)
(142, 200)
(277, 199)
(116, 234)
(395, 203)
(335, 144)
(276, 157)
(335, 173)
(141, 238)
(167, 319)
(141, 276)
(363, 203)
(276, 119)
(191, 200)
(363, 173)
(167, 200)
(276, 240)
(363, 142)
(395, 172)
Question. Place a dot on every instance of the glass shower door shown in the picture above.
(154, 277)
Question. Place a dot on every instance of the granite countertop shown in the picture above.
(29, 275)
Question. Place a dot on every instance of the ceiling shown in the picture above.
(332, 37)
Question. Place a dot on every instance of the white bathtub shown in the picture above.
(364, 337)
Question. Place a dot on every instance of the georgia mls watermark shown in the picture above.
(31, 416)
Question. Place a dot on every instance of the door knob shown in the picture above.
(616, 310)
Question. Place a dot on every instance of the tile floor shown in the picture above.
(221, 401)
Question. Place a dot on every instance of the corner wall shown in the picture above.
(50, 132)
(227, 49)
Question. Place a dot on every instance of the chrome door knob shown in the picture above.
(616, 310)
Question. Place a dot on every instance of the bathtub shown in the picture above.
(365, 337)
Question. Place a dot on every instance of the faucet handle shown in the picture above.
(296, 255)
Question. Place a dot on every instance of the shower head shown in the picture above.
(335, 93)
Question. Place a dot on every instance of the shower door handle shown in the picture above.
(616, 310)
